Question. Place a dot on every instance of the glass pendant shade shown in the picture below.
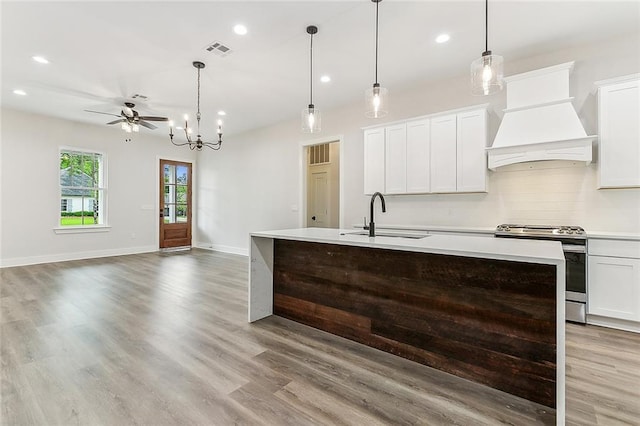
(376, 102)
(311, 120)
(487, 74)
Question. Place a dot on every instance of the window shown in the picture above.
(82, 190)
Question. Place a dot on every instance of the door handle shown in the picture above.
(313, 218)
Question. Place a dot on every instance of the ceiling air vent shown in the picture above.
(139, 96)
(219, 49)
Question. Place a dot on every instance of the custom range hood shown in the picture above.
(540, 122)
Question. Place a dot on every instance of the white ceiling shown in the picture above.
(104, 52)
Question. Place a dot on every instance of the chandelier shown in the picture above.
(188, 131)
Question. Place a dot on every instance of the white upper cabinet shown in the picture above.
(471, 159)
(396, 159)
(374, 159)
(435, 154)
(619, 131)
(418, 149)
(443, 153)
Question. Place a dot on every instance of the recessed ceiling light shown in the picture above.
(222, 113)
(40, 59)
(240, 29)
(442, 38)
(325, 79)
(20, 92)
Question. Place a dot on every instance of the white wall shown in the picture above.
(30, 191)
(253, 183)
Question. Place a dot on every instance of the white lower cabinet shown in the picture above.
(614, 284)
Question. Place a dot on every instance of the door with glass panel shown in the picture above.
(175, 204)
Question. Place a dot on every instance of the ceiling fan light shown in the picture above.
(135, 127)
(487, 73)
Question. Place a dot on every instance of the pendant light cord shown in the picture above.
(311, 72)
(198, 114)
(377, 3)
(486, 25)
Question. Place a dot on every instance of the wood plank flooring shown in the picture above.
(163, 339)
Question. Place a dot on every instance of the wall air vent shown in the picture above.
(219, 49)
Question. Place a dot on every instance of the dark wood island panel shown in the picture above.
(490, 321)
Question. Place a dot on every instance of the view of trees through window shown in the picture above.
(81, 188)
(175, 193)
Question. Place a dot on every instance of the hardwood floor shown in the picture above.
(163, 338)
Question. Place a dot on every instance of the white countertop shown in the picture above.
(437, 228)
(605, 235)
(532, 251)
(491, 230)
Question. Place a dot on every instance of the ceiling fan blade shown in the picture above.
(100, 112)
(122, 120)
(152, 118)
(147, 125)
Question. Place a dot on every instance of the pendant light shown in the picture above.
(310, 115)
(376, 99)
(486, 71)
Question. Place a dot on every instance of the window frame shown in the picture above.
(102, 189)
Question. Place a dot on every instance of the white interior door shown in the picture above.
(319, 200)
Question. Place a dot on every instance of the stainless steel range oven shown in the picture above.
(574, 245)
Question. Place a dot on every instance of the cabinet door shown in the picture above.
(614, 287)
(418, 167)
(396, 159)
(374, 160)
(471, 156)
(443, 153)
(619, 135)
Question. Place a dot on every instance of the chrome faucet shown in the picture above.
(372, 225)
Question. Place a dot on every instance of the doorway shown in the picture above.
(323, 185)
(175, 204)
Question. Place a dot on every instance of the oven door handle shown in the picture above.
(572, 248)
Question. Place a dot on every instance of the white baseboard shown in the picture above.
(613, 323)
(222, 248)
(63, 257)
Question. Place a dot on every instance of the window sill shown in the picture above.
(81, 229)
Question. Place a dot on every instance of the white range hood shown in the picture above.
(540, 122)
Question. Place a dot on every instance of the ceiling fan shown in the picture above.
(130, 120)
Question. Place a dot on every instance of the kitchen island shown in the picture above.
(485, 309)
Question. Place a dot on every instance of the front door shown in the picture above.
(175, 204)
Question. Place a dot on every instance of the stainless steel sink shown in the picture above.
(388, 234)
